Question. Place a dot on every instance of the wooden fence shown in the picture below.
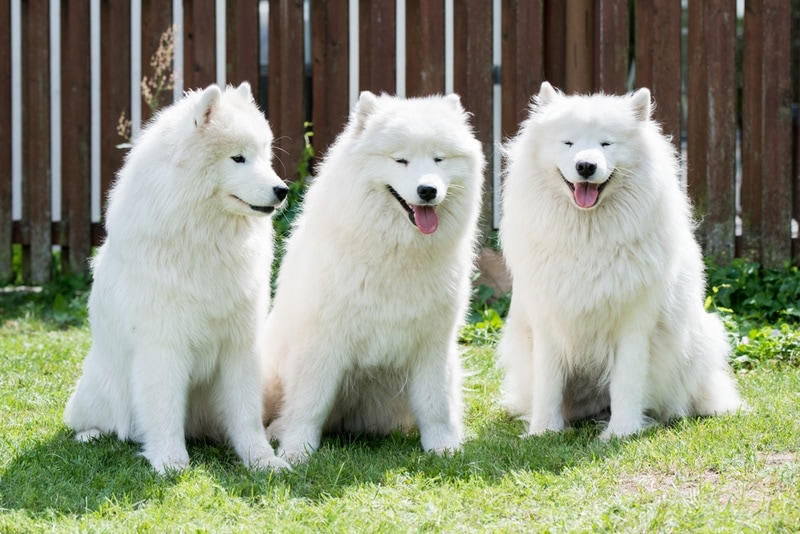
(720, 81)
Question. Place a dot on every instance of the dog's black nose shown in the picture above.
(426, 192)
(280, 191)
(585, 168)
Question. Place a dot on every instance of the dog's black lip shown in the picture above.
(260, 209)
(263, 209)
(599, 188)
(403, 203)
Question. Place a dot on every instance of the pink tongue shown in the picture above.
(426, 219)
(586, 194)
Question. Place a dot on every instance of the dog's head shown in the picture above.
(591, 141)
(417, 154)
(231, 144)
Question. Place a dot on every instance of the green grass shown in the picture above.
(733, 473)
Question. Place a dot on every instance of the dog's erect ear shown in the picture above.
(547, 94)
(642, 107)
(209, 100)
(366, 105)
(245, 92)
(455, 101)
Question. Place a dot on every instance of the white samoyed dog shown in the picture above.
(181, 285)
(376, 280)
(608, 281)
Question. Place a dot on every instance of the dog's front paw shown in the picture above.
(445, 452)
(256, 453)
(176, 461)
(442, 439)
(607, 435)
(295, 456)
(90, 434)
(297, 443)
(623, 429)
(268, 462)
(542, 425)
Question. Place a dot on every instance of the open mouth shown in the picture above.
(260, 209)
(586, 194)
(404, 204)
(423, 217)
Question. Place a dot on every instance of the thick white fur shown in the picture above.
(363, 333)
(181, 285)
(607, 306)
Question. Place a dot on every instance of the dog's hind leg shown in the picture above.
(515, 352)
(100, 404)
(716, 392)
(311, 385)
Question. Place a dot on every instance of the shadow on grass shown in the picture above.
(61, 475)
(65, 476)
(346, 462)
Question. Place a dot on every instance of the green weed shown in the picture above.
(754, 293)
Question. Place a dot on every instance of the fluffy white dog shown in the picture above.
(608, 280)
(181, 285)
(376, 280)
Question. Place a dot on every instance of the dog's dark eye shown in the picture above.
(401, 161)
(438, 160)
(568, 143)
(605, 144)
(238, 158)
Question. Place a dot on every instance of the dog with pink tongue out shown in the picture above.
(375, 282)
(607, 312)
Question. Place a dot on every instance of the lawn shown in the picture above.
(733, 473)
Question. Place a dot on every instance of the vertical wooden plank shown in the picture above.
(156, 19)
(796, 129)
(658, 60)
(330, 45)
(425, 47)
(522, 58)
(719, 224)
(377, 46)
(76, 113)
(6, 263)
(712, 124)
(555, 13)
(579, 67)
(666, 81)
(36, 174)
(752, 131)
(612, 46)
(473, 80)
(767, 133)
(115, 92)
(286, 78)
(242, 44)
(697, 114)
(777, 128)
(200, 48)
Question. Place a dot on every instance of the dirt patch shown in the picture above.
(780, 458)
(683, 485)
(751, 489)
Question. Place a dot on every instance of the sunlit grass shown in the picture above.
(730, 473)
